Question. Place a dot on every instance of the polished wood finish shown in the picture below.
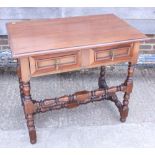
(54, 63)
(75, 60)
(74, 100)
(27, 103)
(60, 45)
(54, 35)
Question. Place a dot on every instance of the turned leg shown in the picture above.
(113, 97)
(102, 84)
(29, 111)
(129, 85)
(20, 83)
(27, 106)
(20, 86)
(23, 73)
(122, 107)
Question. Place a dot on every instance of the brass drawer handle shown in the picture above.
(57, 64)
(112, 55)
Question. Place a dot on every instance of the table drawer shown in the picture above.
(112, 54)
(54, 63)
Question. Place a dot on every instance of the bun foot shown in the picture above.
(124, 113)
(33, 137)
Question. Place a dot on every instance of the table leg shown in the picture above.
(102, 82)
(122, 107)
(29, 111)
(20, 83)
(27, 106)
(32, 107)
(129, 84)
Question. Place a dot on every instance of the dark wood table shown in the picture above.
(53, 46)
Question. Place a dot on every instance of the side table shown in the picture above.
(53, 46)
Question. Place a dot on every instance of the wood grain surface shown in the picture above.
(63, 34)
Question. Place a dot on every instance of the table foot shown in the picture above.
(31, 129)
(124, 113)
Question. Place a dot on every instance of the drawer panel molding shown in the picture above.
(54, 63)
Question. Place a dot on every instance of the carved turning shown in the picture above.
(20, 83)
(29, 110)
(113, 97)
(129, 85)
(122, 107)
(32, 107)
(102, 84)
(76, 99)
(27, 106)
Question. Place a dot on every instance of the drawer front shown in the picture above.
(112, 54)
(54, 63)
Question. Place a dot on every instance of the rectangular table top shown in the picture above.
(62, 34)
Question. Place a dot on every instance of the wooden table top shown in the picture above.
(62, 34)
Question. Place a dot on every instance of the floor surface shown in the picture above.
(92, 125)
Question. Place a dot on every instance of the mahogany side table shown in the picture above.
(53, 46)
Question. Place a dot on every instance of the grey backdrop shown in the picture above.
(141, 18)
